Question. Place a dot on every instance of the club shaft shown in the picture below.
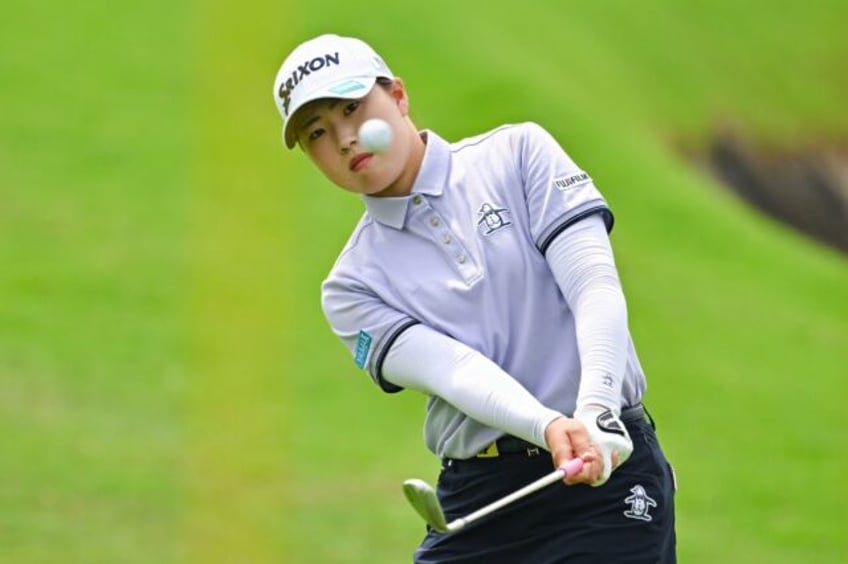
(542, 482)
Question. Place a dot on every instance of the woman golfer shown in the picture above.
(481, 274)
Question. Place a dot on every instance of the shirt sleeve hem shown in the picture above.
(384, 384)
(604, 211)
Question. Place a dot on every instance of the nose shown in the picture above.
(347, 138)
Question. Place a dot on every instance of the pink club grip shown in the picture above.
(572, 467)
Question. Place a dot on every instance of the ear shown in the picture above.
(398, 93)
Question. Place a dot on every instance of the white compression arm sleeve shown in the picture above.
(582, 262)
(426, 360)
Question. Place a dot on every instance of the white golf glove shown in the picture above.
(608, 434)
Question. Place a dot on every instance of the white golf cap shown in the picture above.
(328, 66)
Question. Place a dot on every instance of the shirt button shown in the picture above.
(434, 221)
(461, 259)
(447, 239)
(416, 199)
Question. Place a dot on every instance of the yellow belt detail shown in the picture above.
(490, 451)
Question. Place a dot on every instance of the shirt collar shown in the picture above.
(430, 181)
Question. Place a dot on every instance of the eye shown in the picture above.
(351, 107)
(315, 133)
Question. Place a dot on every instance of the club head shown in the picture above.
(423, 499)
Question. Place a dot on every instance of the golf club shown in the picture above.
(423, 498)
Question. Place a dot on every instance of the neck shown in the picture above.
(402, 186)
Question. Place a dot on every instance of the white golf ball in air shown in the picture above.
(375, 135)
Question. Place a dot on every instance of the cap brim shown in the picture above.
(348, 89)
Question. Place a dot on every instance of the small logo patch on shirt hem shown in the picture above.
(363, 347)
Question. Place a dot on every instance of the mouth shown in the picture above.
(359, 161)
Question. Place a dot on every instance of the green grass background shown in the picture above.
(169, 391)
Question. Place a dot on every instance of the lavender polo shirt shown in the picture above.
(464, 255)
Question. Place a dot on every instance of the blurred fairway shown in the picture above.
(169, 391)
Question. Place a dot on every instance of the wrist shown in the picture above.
(595, 407)
(549, 427)
(599, 388)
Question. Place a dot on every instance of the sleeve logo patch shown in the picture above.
(564, 183)
(363, 347)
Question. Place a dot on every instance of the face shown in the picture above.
(327, 131)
